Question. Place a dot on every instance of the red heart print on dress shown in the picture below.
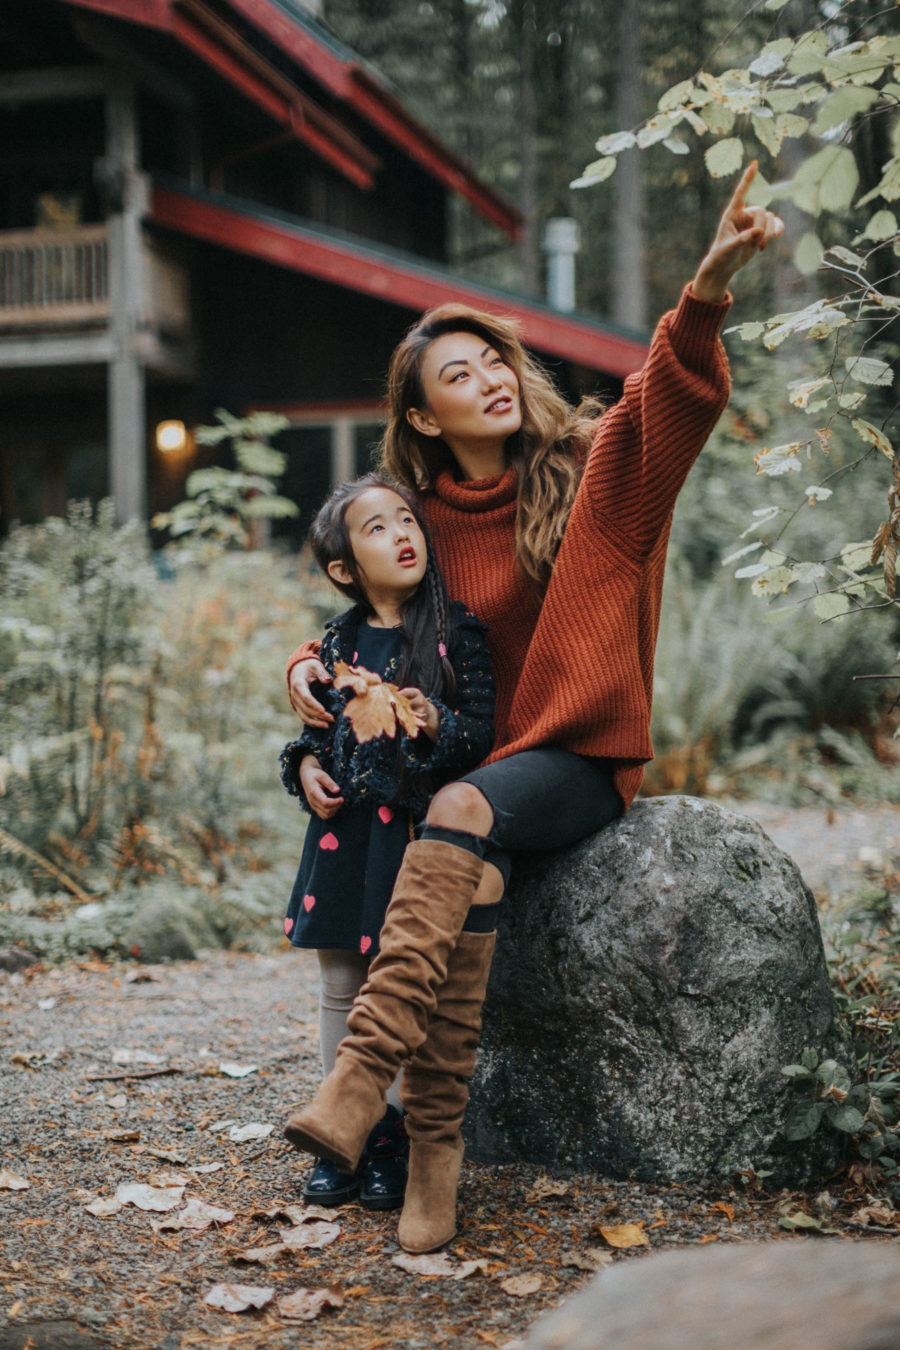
(288, 925)
(364, 944)
(328, 842)
(385, 814)
(308, 902)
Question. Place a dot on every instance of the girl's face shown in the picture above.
(472, 395)
(387, 544)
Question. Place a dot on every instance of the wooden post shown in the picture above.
(343, 450)
(125, 385)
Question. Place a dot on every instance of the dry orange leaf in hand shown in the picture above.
(375, 706)
(625, 1235)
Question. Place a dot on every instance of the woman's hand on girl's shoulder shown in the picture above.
(426, 714)
(322, 793)
(310, 711)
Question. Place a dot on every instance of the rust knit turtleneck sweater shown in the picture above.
(576, 669)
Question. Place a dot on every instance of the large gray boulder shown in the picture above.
(649, 985)
(752, 1296)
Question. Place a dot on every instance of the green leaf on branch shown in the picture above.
(771, 57)
(598, 172)
(809, 53)
(801, 391)
(888, 187)
(881, 226)
(826, 181)
(869, 370)
(831, 605)
(778, 459)
(725, 157)
(872, 436)
(683, 92)
(808, 254)
(840, 106)
(616, 143)
(775, 4)
(857, 556)
(748, 332)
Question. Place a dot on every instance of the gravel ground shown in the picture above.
(79, 1120)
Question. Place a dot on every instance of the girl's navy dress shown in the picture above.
(350, 862)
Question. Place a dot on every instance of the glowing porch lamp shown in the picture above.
(171, 437)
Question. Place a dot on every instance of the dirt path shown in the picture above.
(837, 850)
(78, 1120)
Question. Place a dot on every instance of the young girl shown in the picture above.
(554, 528)
(365, 797)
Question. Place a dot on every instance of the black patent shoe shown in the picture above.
(328, 1186)
(384, 1183)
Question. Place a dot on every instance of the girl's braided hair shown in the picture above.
(426, 622)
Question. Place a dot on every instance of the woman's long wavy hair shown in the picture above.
(426, 621)
(548, 452)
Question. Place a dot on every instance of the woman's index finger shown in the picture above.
(740, 192)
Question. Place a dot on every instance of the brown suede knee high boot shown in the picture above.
(389, 1018)
(435, 1092)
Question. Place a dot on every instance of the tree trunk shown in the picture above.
(629, 300)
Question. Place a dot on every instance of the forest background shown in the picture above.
(143, 696)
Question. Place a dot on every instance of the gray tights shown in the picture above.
(341, 975)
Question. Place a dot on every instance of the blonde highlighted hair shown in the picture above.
(548, 452)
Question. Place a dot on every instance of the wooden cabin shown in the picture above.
(212, 203)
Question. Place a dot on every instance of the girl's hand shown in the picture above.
(308, 709)
(426, 714)
(322, 792)
(743, 231)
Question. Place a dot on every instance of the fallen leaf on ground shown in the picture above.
(520, 1285)
(313, 1233)
(622, 1235)
(204, 1168)
(878, 1212)
(727, 1210)
(259, 1255)
(305, 1305)
(237, 1070)
(240, 1134)
(155, 1198)
(196, 1215)
(805, 1223)
(295, 1214)
(116, 1103)
(438, 1263)
(168, 1179)
(167, 1155)
(593, 1258)
(545, 1187)
(136, 1057)
(707, 1237)
(238, 1297)
(140, 976)
(45, 1004)
(11, 1181)
(220, 1125)
(122, 1136)
(104, 1207)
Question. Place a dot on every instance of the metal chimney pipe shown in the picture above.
(561, 242)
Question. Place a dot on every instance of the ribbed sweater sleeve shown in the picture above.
(648, 441)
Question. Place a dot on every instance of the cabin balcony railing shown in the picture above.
(55, 276)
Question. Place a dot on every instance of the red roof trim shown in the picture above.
(348, 81)
(393, 280)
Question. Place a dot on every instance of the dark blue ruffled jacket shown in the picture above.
(371, 772)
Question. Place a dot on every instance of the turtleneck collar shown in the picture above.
(477, 494)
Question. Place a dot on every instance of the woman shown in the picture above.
(554, 528)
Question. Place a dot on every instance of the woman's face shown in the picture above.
(471, 394)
